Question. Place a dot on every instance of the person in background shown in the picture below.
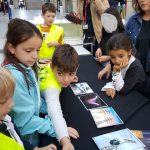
(53, 35)
(9, 135)
(127, 71)
(23, 41)
(138, 28)
(90, 12)
(53, 77)
(112, 24)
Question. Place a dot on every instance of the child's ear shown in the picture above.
(11, 48)
(130, 52)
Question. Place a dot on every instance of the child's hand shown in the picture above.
(73, 133)
(55, 44)
(111, 93)
(105, 71)
(122, 65)
(49, 147)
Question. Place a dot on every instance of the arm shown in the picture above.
(105, 71)
(25, 111)
(61, 39)
(55, 113)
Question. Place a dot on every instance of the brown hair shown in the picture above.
(65, 58)
(119, 41)
(7, 84)
(137, 7)
(48, 7)
(19, 31)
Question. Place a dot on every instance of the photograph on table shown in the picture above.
(105, 117)
(81, 88)
(118, 140)
(92, 101)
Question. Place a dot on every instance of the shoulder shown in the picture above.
(17, 75)
(136, 65)
(134, 17)
(14, 71)
(57, 27)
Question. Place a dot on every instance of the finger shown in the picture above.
(100, 76)
(74, 134)
(113, 94)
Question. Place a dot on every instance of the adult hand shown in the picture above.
(49, 147)
(105, 72)
(111, 93)
(73, 133)
(98, 53)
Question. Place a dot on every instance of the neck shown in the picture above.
(146, 15)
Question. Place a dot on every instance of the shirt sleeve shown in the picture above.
(55, 112)
(118, 81)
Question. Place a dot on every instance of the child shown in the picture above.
(21, 53)
(60, 73)
(52, 34)
(112, 24)
(127, 72)
(9, 136)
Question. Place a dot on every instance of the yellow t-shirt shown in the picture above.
(7, 143)
(47, 78)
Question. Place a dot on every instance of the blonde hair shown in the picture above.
(7, 84)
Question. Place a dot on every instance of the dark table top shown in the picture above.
(133, 108)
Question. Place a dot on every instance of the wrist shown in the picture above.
(65, 140)
(115, 72)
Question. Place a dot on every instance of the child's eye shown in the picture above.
(112, 57)
(121, 56)
(72, 73)
(59, 73)
(27, 50)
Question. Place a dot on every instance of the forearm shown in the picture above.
(55, 112)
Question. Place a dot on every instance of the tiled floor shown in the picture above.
(73, 33)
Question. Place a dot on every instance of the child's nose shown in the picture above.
(35, 55)
(66, 78)
(117, 60)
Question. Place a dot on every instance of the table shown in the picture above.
(133, 108)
